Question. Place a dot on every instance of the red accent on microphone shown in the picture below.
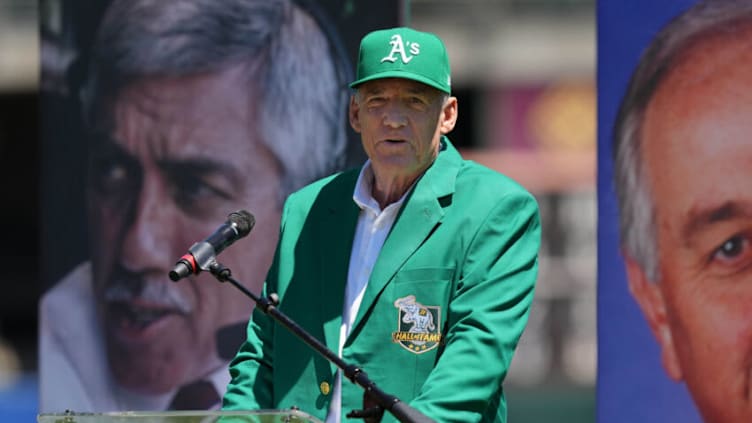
(191, 261)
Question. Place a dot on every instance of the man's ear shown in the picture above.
(649, 296)
(448, 116)
(353, 114)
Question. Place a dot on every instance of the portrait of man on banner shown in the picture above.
(189, 110)
(682, 159)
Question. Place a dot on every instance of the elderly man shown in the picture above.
(196, 108)
(419, 267)
(683, 157)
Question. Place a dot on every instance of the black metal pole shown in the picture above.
(402, 411)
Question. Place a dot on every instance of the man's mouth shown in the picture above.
(136, 309)
(132, 319)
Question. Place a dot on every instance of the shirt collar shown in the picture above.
(362, 195)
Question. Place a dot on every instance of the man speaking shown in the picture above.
(419, 267)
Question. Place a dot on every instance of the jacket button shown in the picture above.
(325, 388)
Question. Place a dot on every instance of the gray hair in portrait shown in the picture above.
(289, 57)
(636, 208)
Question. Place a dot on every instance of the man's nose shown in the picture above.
(147, 240)
(394, 116)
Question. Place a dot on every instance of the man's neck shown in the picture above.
(389, 190)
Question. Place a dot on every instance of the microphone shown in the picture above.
(202, 254)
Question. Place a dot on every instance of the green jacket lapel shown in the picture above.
(337, 230)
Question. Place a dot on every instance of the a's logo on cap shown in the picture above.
(398, 47)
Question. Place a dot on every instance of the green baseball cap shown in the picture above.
(404, 53)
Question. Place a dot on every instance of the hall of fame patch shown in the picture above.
(418, 326)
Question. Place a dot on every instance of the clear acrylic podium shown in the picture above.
(261, 416)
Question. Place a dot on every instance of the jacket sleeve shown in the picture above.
(251, 370)
(487, 314)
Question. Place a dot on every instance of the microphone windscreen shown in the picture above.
(243, 221)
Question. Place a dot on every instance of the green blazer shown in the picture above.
(445, 305)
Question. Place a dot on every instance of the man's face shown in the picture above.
(400, 123)
(181, 155)
(697, 148)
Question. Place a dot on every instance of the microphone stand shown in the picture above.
(402, 411)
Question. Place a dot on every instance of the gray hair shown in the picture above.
(287, 51)
(637, 209)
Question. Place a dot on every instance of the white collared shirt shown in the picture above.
(372, 229)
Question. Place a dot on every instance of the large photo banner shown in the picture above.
(675, 211)
(160, 118)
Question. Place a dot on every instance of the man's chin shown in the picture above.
(147, 357)
(150, 370)
(145, 381)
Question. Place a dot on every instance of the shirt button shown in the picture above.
(325, 388)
